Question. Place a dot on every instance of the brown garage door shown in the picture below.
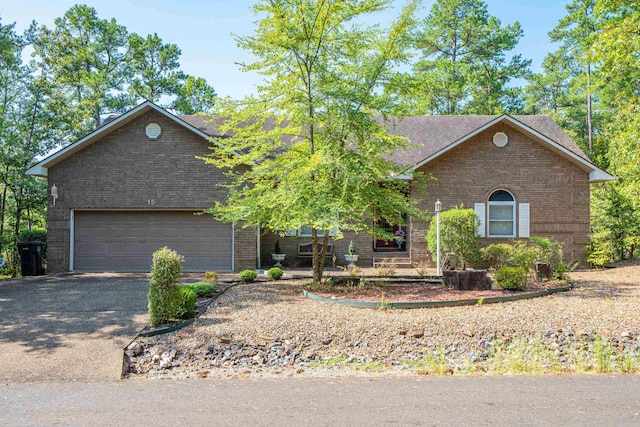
(126, 240)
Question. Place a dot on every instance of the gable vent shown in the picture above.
(153, 130)
(500, 139)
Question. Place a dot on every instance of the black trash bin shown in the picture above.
(31, 257)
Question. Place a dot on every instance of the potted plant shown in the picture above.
(278, 256)
(352, 255)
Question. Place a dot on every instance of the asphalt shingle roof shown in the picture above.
(431, 134)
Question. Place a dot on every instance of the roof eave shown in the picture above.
(598, 175)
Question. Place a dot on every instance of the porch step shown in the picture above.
(405, 262)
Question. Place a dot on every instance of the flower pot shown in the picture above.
(351, 259)
(278, 258)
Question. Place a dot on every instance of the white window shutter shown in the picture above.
(523, 220)
(480, 212)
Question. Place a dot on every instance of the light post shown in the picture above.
(438, 208)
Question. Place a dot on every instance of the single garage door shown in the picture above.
(126, 240)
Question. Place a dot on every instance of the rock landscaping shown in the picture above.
(268, 329)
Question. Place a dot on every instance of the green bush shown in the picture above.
(275, 273)
(248, 276)
(166, 274)
(211, 277)
(458, 234)
(203, 289)
(517, 254)
(497, 254)
(182, 302)
(511, 278)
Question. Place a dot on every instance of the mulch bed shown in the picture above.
(419, 292)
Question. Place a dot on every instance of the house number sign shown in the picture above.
(151, 202)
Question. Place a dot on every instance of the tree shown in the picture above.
(194, 96)
(458, 234)
(308, 148)
(576, 32)
(463, 69)
(86, 58)
(27, 130)
(155, 67)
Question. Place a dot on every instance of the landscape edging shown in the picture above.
(435, 304)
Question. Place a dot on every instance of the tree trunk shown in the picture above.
(319, 254)
(589, 112)
(3, 205)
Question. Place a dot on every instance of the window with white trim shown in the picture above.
(501, 214)
(306, 232)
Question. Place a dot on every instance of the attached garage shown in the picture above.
(125, 240)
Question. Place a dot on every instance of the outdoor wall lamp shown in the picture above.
(54, 193)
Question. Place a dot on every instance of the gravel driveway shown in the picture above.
(69, 327)
(270, 330)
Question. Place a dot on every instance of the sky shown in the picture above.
(204, 29)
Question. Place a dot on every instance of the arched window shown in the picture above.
(502, 214)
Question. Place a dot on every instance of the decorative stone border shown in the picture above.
(434, 304)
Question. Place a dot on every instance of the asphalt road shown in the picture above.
(595, 400)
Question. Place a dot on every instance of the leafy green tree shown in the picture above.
(86, 58)
(308, 148)
(576, 32)
(548, 92)
(27, 130)
(616, 206)
(155, 67)
(463, 68)
(194, 96)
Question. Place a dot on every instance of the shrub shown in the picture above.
(497, 254)
(511, 278)
(351, 249)
(203, 289)
(517, 254)
(276, 248)
(182, 302)
(211, 277)
(275, 273)
(458, 234)
(166, 273)
(248, 276)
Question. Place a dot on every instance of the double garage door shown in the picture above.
(125, 240)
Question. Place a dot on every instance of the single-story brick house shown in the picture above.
(135, 185)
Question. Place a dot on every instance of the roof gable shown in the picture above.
(41, 168)
(433, 136)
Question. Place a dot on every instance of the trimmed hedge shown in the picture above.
(248, 276)
(275, 273)
(511, 278)
(182, 302)
(203, 289)
(166, 273)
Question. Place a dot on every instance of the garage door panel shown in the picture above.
(126, 240)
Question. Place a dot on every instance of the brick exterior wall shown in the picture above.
(125, 169)
(556, 189)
